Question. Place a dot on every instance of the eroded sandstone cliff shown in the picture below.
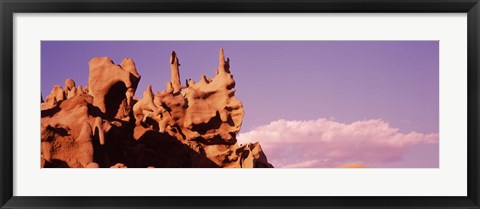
(186, 125)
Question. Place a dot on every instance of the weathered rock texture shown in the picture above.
(103, 125)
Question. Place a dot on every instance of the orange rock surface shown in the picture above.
(186, 125)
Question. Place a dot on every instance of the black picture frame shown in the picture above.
(9, 7)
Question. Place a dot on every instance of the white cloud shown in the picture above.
(326, 143)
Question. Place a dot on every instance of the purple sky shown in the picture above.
(343, 81)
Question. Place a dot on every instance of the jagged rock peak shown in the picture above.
(103, 125)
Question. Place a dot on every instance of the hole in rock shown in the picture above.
(114, 97)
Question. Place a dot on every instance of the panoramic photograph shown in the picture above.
(239, 104)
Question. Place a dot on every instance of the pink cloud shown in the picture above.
(326, 143)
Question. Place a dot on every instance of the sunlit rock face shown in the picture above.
(186, 125)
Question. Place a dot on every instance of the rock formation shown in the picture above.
(103, 125)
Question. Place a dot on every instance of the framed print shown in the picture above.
(265, 104)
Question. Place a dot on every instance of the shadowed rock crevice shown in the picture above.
(102, 125)
(114, 97)
(50, 112)
(213, 124)
(56, 164)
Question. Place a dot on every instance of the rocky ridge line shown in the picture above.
(104, 125)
